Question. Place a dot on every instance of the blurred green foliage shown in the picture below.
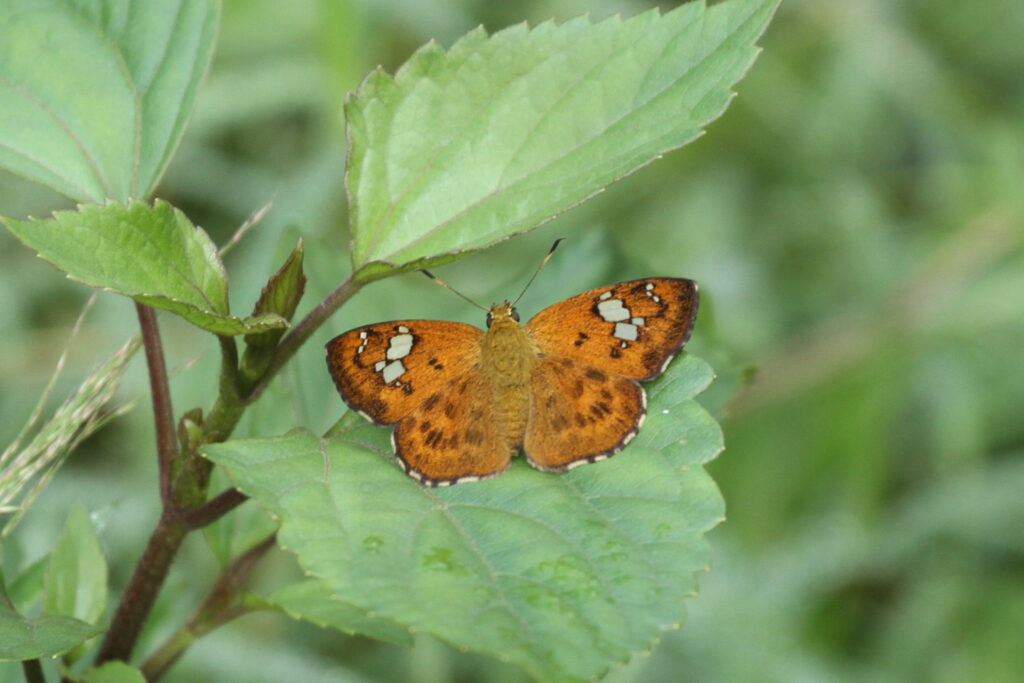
(855, 221)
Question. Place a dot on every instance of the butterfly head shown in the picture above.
(502, 314)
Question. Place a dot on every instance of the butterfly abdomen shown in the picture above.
(506, 360)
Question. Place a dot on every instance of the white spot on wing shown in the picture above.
(625, 331)
(613, 310)
(650, 286)
(362, 335)
(379, 365)
(604, 296)
(403, 329)
(399, 347)
(393, 371)
(638, 321)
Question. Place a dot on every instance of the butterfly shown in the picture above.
(563, 387)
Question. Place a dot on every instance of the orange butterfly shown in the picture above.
(563, 387)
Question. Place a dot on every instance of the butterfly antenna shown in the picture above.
(539, 268)
(450, 288)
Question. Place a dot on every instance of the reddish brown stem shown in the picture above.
(142, 590)
(215, 610)
(163, 413)
(175, 523)
(213, 509)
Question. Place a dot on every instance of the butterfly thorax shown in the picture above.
(506, 360)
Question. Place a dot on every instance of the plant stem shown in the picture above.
(142, 590)
(175, 522)
(215, 610)
(229, 406)
(301, 331)
(33, 671)
(213, 509)
(163, 545)
(163, 413)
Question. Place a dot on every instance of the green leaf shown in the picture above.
(94, 96)
(151, 253)
(75, 584)
(312, 601)
(234, 534)
(22, 638)
(501, 133)
(113, 672)
(563, 575)
(27, 587)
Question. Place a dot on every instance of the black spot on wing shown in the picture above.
(577, 389)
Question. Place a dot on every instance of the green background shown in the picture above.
(855, 222)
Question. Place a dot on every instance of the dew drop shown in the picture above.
(440, 559)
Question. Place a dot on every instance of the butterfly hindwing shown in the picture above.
(453, 435)
(579, 414)
(631, 329)
(385, 371)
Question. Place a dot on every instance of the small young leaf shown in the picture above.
(113, 672)
(280, 296)
(310, 600)
(284, 289)
(561, 574)
(501, 133)
(95, 95)
(75, 584)
(151, 253)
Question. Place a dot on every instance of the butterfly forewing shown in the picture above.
(631, 329)
(385, 371)
(579, 414)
